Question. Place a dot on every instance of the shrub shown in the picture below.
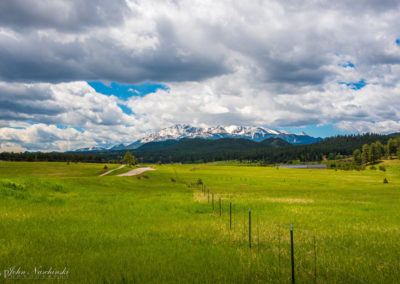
(105, 167)
(385, 180)
(372, 168)
(382, 168)
(59, 188)
(173, 180)
(12, 185)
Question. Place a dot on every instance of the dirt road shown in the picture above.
(110, 171)
(136, 172)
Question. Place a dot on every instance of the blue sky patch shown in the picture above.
(398, 41)
(124, 92)
(348, 64)
(79, 129)
(317, 131)
(32, 122)
(17, 127)
(125, 109)
(61, 126)
(355, 85)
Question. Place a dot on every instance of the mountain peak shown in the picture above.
(255, 133)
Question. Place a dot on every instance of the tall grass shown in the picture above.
(123, 229)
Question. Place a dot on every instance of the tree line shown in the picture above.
(371, 153)
(195, 151)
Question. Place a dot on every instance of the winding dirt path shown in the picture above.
(136, 172)
(110, 171)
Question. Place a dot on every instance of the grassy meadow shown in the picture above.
(160, 228)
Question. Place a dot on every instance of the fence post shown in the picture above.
(213, 201)
(279, 251)
(230, 214)
(315, 260)
(220, 207)
(292, 252)
(250, 227)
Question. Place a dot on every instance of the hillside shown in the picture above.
(271, 150)
(207, 146)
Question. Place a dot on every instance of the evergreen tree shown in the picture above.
(129, 158)
(357, 157)
(364, 154)
(380, 148)
(392, 147)
(373, 154)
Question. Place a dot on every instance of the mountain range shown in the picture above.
(181, 131)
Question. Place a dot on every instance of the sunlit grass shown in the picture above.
(159, 229)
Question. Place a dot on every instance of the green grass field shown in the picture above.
(154, 230)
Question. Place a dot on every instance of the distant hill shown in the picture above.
(185, 131)
(206, 146)
(270, 150)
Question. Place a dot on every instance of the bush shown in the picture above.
(385, 180)
(105, 167)
(59, 188)
(372, 168)
(12, 185)
(173, 180)
(382, 168)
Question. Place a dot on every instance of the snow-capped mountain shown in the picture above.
(90, 149)
(180, 131)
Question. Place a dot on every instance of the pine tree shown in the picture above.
(129, 158)
(392, 147)
(381, 150)
(373, 154)
(357, 157)
(364, 154)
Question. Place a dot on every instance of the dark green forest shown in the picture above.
(269, 151)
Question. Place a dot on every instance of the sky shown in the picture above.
(98, 73)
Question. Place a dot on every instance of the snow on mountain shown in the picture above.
(180, 131)
(90, 149)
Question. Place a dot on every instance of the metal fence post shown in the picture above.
(315, 260)
(250, 227)
(230, 215)
(292, 252)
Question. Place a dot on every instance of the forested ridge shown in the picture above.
(270, 151)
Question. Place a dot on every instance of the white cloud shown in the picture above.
(272, 63)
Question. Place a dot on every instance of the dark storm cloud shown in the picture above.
(72, 15)
(19, 102)
(35, 58)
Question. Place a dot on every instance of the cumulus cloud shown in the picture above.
(66, 16)
(270, 63)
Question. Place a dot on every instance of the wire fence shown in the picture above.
(300, 253)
